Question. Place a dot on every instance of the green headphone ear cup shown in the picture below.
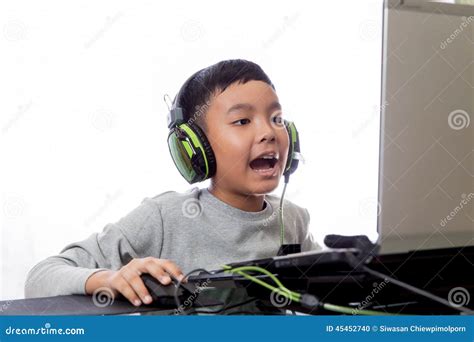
(294, 147)
(208, 152)
(191, 153)
(181, 153)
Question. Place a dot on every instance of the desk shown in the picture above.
(437, 271)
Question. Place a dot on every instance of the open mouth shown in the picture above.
(265, 165)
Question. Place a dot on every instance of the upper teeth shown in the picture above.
(269, 156)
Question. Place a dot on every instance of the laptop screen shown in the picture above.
(426, 188)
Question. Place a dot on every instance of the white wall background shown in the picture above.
(83, 123)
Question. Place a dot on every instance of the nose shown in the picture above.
(266, 132)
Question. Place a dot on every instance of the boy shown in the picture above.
(235, 106)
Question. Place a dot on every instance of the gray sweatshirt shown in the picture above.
(193, 229)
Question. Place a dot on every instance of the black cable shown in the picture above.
(417, 290)
(180, 284)
(225, 308)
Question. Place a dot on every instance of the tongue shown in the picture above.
(261, 164)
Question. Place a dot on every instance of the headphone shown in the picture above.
(192, 153)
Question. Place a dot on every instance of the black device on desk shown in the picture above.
(416, 282)
(167, 295)
(345, 250)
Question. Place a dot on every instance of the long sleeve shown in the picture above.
(137, 235)
(308, 242)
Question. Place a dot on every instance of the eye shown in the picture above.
(278, 120)
(241, 122)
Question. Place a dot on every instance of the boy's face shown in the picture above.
(250, 142)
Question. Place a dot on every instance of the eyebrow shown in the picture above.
(248, 107)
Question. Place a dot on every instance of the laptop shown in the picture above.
(426, 184)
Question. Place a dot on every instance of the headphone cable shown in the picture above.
(282, 225)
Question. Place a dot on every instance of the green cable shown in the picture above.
(282, 226)
(256, 269)
(281, 289)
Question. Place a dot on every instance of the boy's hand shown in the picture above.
(127, 280)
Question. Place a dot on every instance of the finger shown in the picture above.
(127, 291)
(132, 276)
(172, 269)
(153, 266)
(158, 272)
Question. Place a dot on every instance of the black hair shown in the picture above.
(195, 94)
